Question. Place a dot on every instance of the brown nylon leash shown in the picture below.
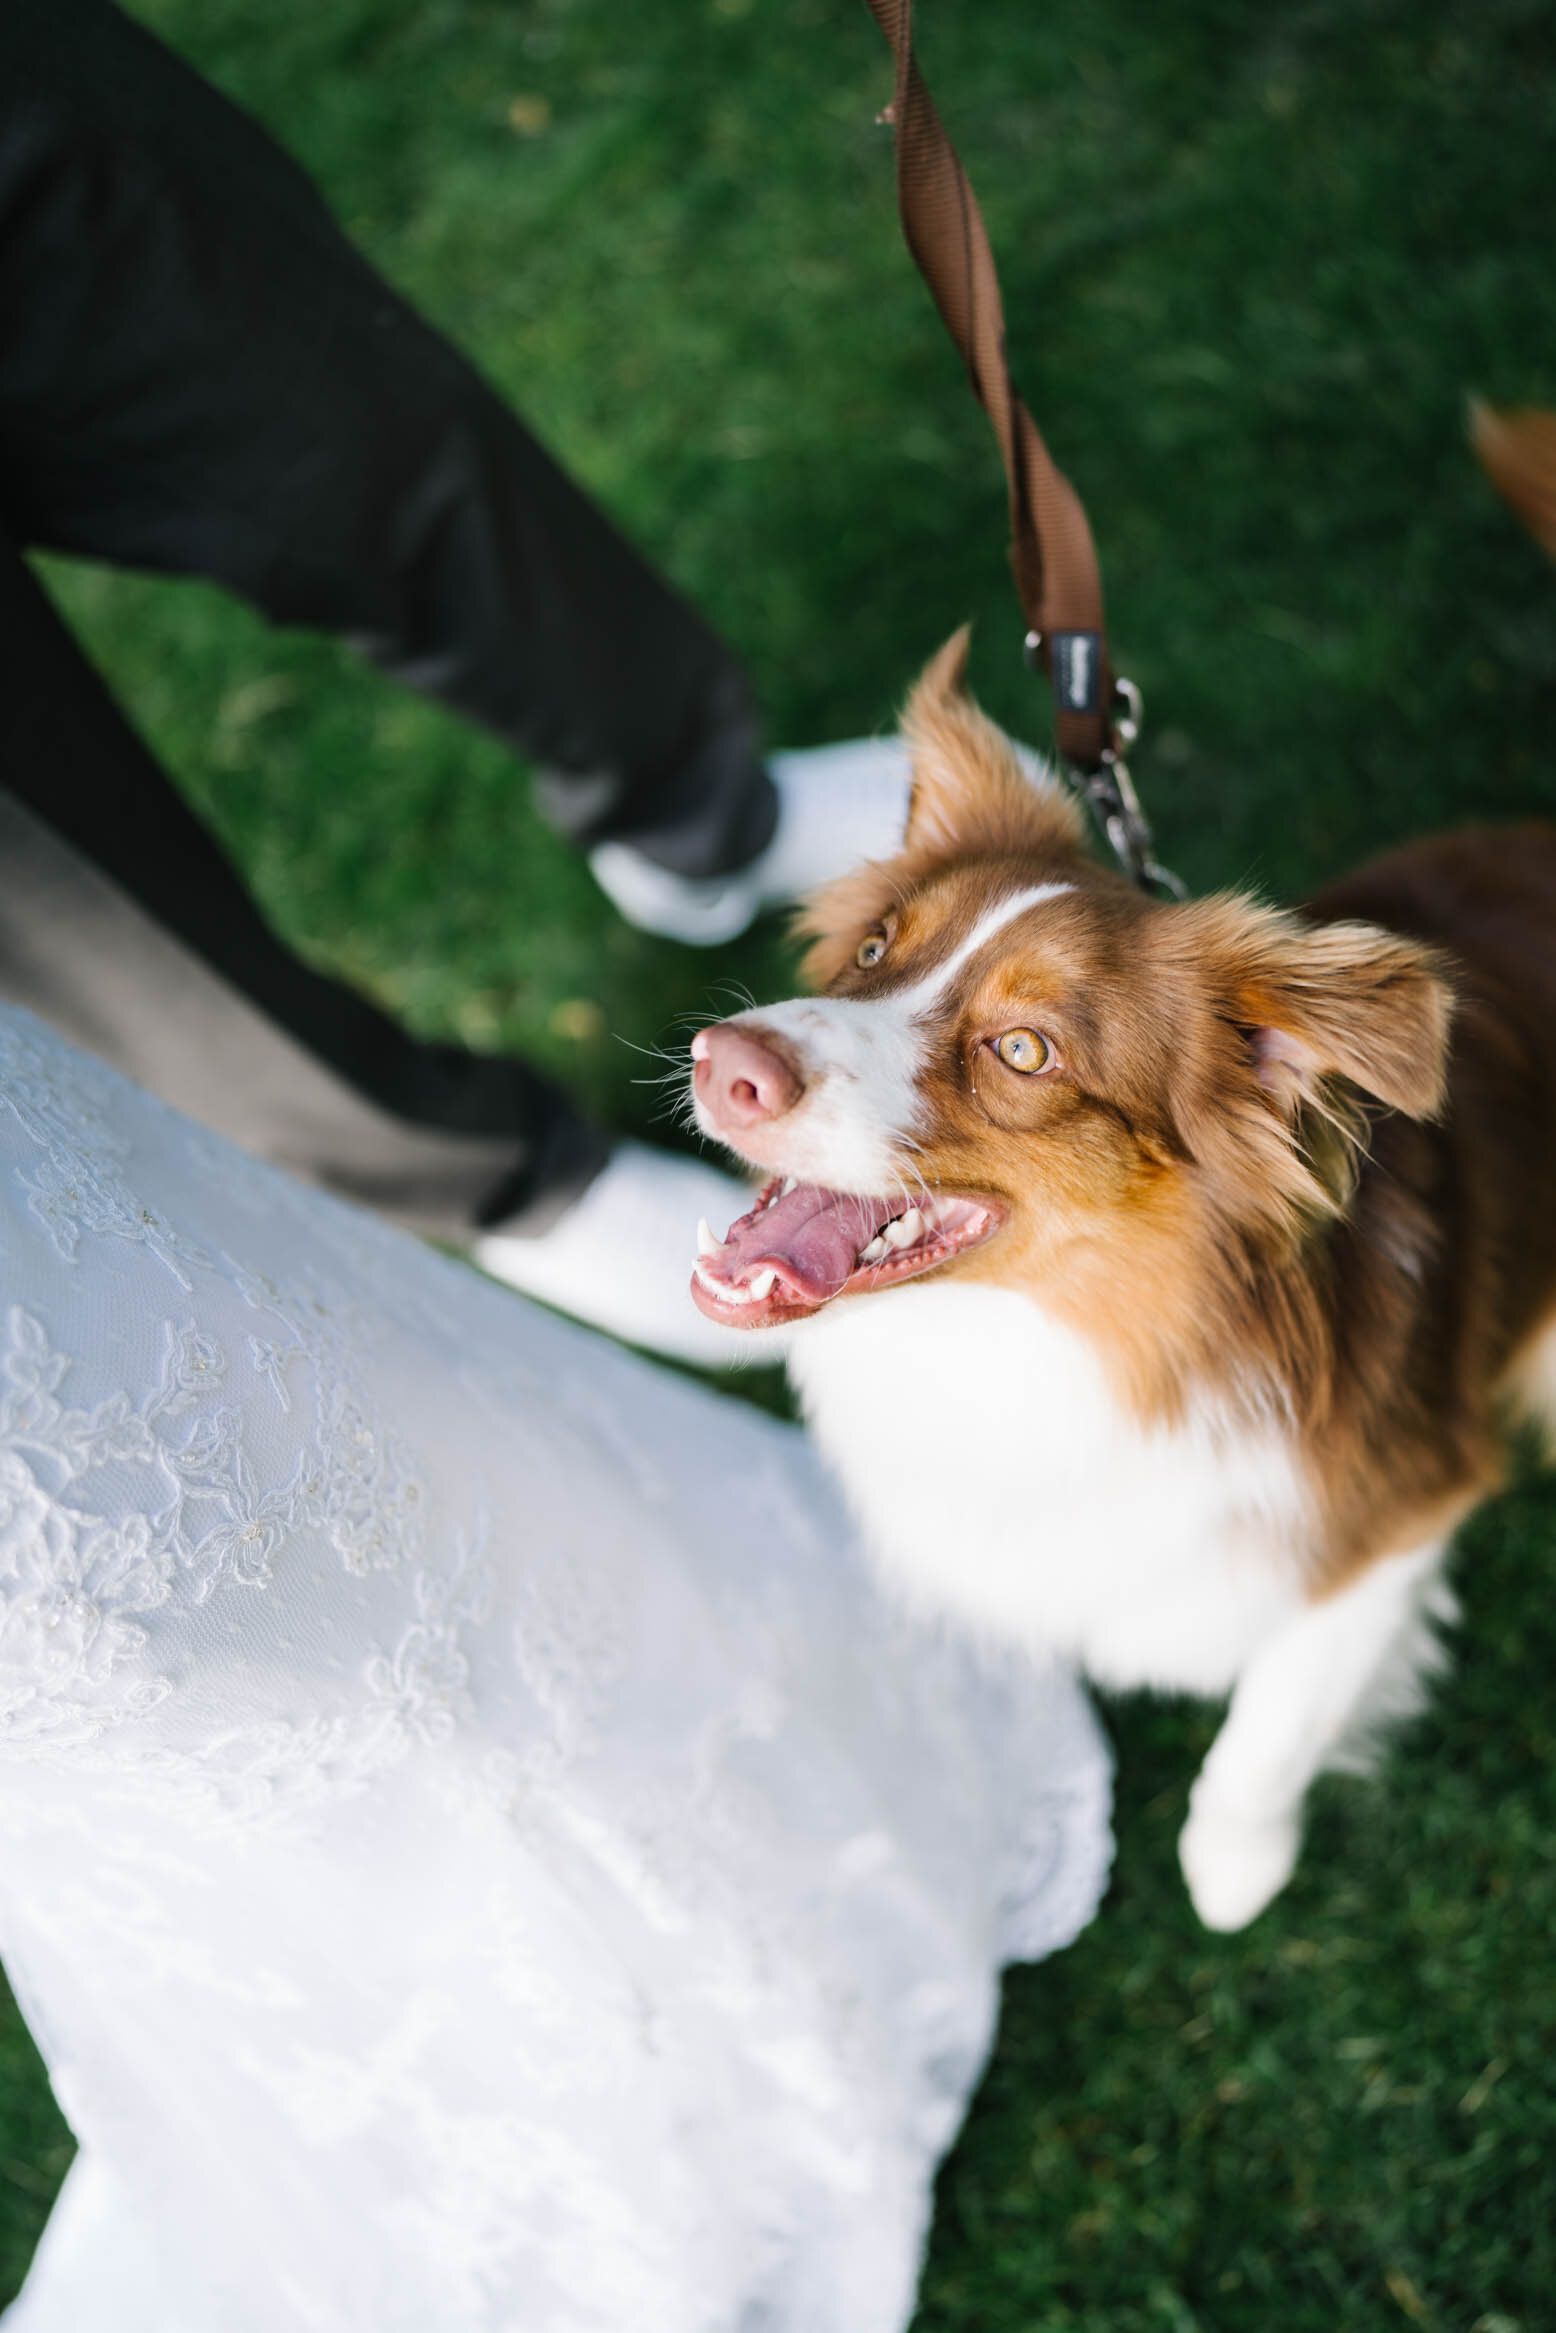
(1054, 560)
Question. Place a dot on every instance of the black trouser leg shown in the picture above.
(199, 374)
(123, 925)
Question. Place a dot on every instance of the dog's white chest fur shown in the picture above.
(998, 1480)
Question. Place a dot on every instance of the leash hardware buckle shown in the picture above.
(1111, 792)
(1127, 723)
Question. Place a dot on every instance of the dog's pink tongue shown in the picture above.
(813, 1237)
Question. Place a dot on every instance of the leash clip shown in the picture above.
(1109, 790)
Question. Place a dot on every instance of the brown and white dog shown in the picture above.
(1169, 1275)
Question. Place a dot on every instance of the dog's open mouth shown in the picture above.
(800, 1246)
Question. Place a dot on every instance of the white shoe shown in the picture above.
(837, 805)
(621, 1257)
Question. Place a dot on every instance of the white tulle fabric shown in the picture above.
(474, 1850)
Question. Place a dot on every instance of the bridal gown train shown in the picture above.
(475, 1852)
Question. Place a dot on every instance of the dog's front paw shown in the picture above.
(1235, 1864)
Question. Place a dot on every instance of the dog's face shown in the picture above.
(1019, 1067)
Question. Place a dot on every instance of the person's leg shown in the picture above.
(123, 924)
(200, 375)
(180, 984)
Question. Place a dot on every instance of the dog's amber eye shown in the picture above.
(871, 948)
(1025, 1050)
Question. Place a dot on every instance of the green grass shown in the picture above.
(1344, 2118)
(1253, 259)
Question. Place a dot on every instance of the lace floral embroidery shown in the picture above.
(458, 1878)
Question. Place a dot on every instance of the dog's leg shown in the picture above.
(1300, 1704)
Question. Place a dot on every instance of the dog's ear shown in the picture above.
(973, 796)
(1518, 454)
(1311, 1003)
(1280, 1029)
(971, 791)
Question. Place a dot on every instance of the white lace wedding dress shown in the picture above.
(475, 1853)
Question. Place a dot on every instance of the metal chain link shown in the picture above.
(1109, 791)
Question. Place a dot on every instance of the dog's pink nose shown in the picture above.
(739, 1080)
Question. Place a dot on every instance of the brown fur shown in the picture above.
(1518, 453)
(1303, 1162)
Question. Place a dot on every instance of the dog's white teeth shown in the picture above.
(762, 1286)
(707, 1245)
(876, 1248)
(790, 1183)
(905, 1230)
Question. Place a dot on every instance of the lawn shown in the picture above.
(1253, 257)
